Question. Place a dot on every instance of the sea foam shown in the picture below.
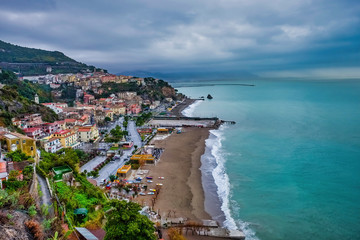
(220, 177)
(189, 111)
(214, 142)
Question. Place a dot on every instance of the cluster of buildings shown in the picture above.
(88, 84)
(83, 81)
(11, 141)
(67, 133)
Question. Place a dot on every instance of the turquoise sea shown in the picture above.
(290, 167)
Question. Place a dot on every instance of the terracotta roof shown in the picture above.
(54, 123)
(84, 129)
(70, 120)
(31, 129)
(62, 132)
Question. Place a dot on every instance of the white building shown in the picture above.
(51, 145)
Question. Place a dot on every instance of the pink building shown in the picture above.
(133, 109)
(88, 98)
(34, 132)
(50, 128)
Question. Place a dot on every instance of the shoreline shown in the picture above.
(214, 204)
(189, 189)
(177, 111)
(182, 189)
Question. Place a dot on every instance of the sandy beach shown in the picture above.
(182, 189)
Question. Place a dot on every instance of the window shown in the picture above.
(24, 141)
(17, 142)
(31, 148)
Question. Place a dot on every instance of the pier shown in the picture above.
(187, 122)
(227, 122)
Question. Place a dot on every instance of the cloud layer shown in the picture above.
(167, 35)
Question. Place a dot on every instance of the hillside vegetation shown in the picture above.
(18, 54)
(31, 61)
(13, 103)
(26, 88)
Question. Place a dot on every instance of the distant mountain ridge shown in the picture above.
(32, 61)
(188, 76)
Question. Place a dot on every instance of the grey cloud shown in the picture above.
(165, 35)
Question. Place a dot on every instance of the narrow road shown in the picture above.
(46, 197)
(89, 166)
(112, 167)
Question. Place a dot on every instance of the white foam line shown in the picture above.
(220, 177)
(189, 111)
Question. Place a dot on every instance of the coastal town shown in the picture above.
(108, 145)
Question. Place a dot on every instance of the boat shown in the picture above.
(209, 96)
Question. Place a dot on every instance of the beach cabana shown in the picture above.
(146, 158)
(124, 171)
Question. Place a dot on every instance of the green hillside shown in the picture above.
(17, 54)
(16, 99)
(26, 88)
(31, 61)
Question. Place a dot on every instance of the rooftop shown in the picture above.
(86, 233)
(124, 169)
(62, 169)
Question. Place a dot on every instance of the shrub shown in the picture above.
(175, 234)
(32, 211)
(3, 218)
(35, 229)
(47, 223)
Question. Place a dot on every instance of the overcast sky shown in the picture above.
(277, 37)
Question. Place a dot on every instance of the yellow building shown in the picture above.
(124, 171)
(17, 141)
(68, 138)
(118, 109)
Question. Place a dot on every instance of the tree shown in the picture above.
(17, 156)
(13, 175)
(124, 222)
(112, 178)
(107, 119)
(28, 172)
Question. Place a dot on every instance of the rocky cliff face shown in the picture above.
(14, 228)
(168, 92)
